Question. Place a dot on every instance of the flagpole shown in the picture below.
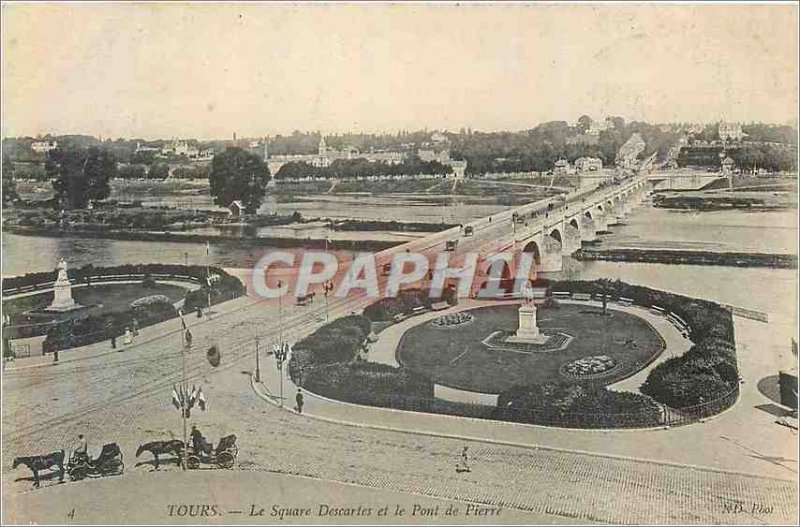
(208, 276)
(183, 393)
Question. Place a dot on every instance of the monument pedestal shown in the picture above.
(528, 331)
(62, 289)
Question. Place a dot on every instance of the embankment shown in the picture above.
(780, 261)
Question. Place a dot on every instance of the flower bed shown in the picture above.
(452, 319)
(589, 367)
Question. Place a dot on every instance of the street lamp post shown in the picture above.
(280, 314)
(327, 288)
(258, 369)
(281, 352)
(186, 344)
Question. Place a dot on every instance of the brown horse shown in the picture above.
(37, 463)
(173, 446)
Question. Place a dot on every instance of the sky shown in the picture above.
(208, 70)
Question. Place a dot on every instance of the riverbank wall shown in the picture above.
(731, 259)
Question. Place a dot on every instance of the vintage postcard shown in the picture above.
(399, 263)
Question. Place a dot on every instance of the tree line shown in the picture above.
(355, 168)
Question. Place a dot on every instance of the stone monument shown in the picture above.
(528, 331)
(62, 301)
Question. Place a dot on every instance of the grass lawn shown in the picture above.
(454, 356)
(113, 297)
(403, 186)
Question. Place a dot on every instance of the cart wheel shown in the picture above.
(193, 462)
(225, 460)
(77, 473)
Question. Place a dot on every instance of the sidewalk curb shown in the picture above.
(526, 446)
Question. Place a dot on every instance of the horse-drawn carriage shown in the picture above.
(224, 456)
(304, 300)
(108, 463)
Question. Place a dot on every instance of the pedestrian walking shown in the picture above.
(127, 338)
(299, 401)
(114, 342)
(135, 327)
(463, 464)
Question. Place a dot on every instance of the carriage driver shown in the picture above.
(79, 449)
(199, 443)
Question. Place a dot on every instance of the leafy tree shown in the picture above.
(81, 175)
(584, 122)
(238, 175)
(158, 171)
(9, 187)
(132, 172)
(619, 123)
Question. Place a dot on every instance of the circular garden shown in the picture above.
(603, 349)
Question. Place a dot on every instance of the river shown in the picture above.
(764, 289)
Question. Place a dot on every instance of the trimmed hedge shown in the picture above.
(404, 303)
(337, 342)
(576, 405)
(370, 383)
(325, 363)
(225, 288)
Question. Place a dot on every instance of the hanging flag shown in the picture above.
(187, 335)
(213, 356)
(176, 402)
(201, 400)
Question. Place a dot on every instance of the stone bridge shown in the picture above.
(527, 241)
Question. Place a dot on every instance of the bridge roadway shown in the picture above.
(498, 233)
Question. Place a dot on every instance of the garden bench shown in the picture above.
(657, 310)
(562, 294)
(625, 301)
(438, 306)
(582, 296)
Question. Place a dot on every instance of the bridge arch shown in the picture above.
(556, 235)
(533, 248)
(574, 223)
(588, 214)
